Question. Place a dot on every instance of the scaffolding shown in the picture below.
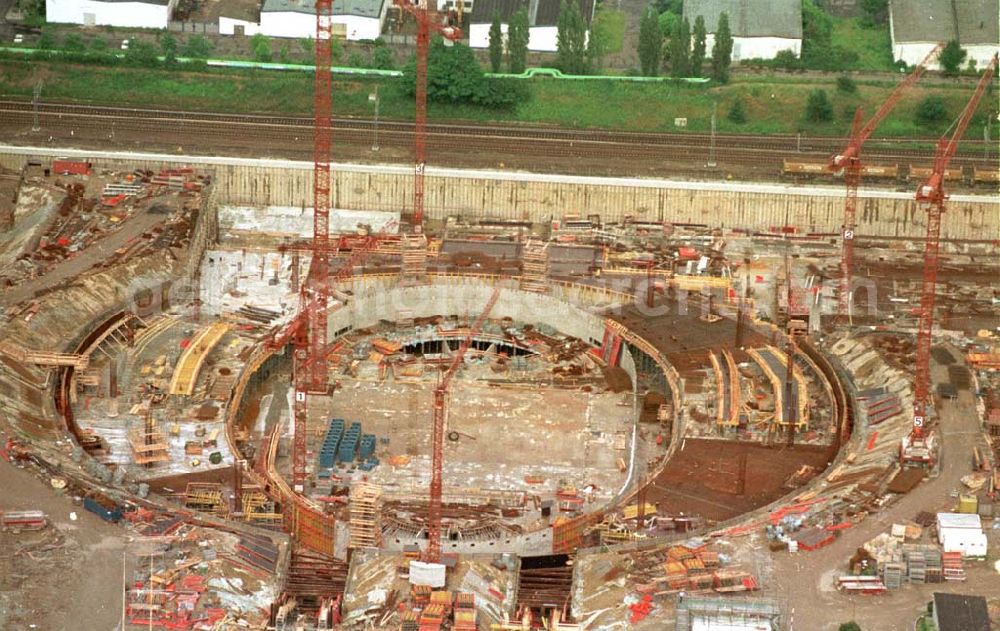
(259, 509)
(535, 267)
(205, 497)
(149, 446)
(414, 264)
(364, 512)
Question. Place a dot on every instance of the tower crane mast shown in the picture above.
(433, 552)
(426, 22)
(849, 161)
(917, 447)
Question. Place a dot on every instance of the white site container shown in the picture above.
(971, 543)
(958, 520)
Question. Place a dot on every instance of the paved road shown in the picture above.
(806, 579)
(83, 261)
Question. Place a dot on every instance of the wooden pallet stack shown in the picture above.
(414, 252)
(535, 267)
(410, 621)
(432, 617)
(465, 612)
(953, 569)
(364, 511)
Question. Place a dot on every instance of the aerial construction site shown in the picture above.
(503, 384)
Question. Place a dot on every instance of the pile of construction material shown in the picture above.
(634, 584)
(344, 444)
(194, 578)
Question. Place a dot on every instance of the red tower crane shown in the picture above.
(916, 447)
(433, 552)
(425, 22)
(308, 330)
(849, 161)
(301, 334)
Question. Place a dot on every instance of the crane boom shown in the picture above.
(861, 134)
(849, 160)
(933, 189)
(433, 553)
(932, 193)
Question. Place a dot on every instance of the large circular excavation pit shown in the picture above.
(537, 425)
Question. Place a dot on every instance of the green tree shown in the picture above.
(737, 113)
(283, 54)
(73, 43)
(846, 84)
(673, 6)
(650, 43)
(932, 111)
(818, 107)
(850, 626)
(817, 31)
(951, 57)
(168, 46)
(356, 60)
(699, 46)
(141, 53)
(598, 42)
(454, 76)
(876, 11)
(517, 41)
(496, 43)
(98, 45)
(260, 47)
(680, 50)
(571, 39)
(197, 47)
(308, 47)
(383, 58)
(668, 22)
(45, 41)
(722, 51)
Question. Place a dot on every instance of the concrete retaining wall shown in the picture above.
(530, 196)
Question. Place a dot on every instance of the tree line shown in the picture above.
(576, 52)
(684, 54)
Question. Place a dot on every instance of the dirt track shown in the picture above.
(75, 586)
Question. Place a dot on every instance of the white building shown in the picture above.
(131, 14)
(352, 19)
(917, 26)
(761, 28)
(543, 19)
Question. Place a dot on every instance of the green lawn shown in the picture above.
(871, 43)
(772, 106)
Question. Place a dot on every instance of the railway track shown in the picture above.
(527, 143)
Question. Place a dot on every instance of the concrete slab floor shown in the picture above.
(565, 436)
